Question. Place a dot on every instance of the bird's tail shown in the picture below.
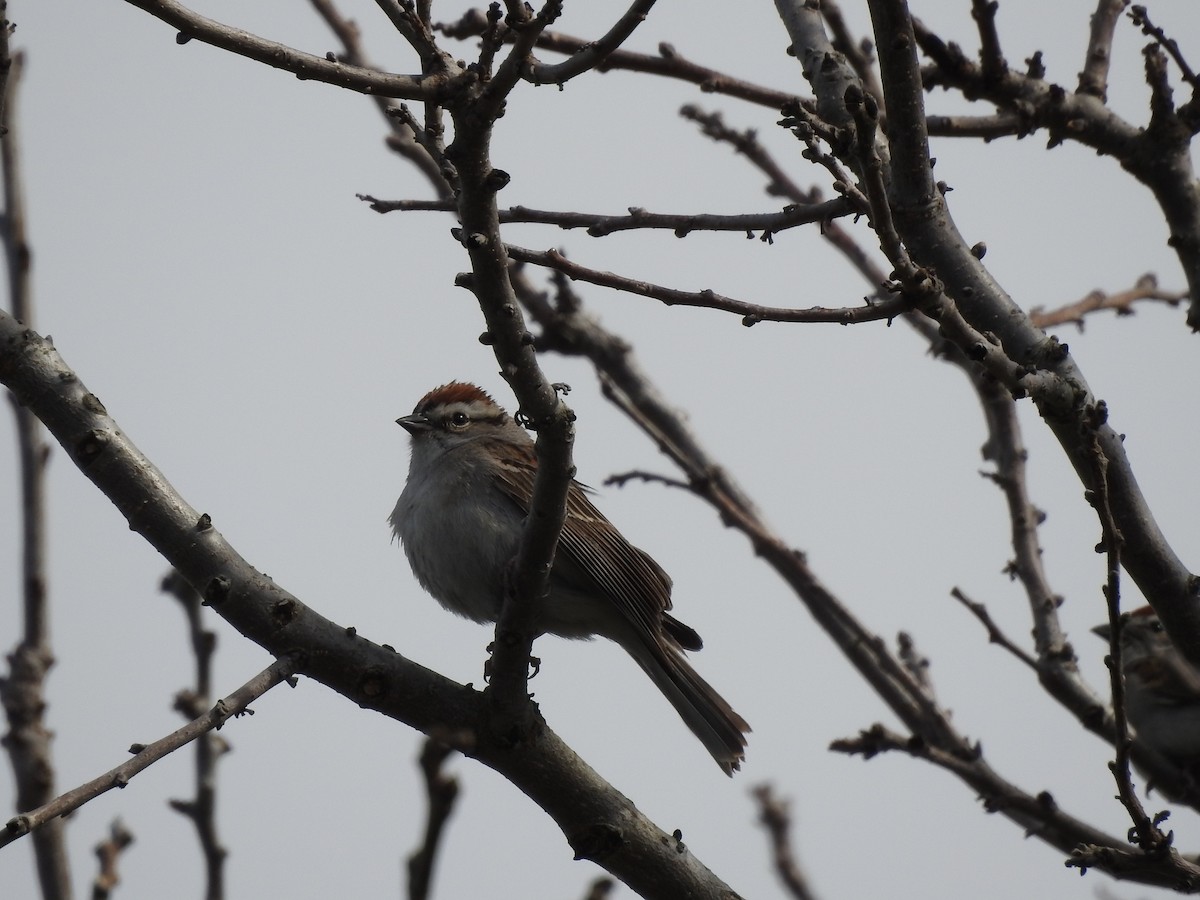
(703, 710)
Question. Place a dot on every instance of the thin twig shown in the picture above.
(995, 635)
(776, 817)
(599, 225)
(751, 313)
(1120, 302)
(1141, 18)
(201, 809)
(746, 143)
(402, 139)
(593, 54)
(668, 64)
(235, 704)
(441, 791)
(109, 853)
(1146, 832)
(191, 25)
(23, 689)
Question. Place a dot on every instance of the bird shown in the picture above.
(1162, 689)
(460, 518)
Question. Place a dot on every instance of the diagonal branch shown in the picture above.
(1158, 155)
(585, 807)
(191, 25)
(403, 136)
(933, 737)
(593, 54)
(1061, 391)
(1121, 302)
(145, 756)
(668, 64)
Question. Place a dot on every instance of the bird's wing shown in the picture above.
(635, 582)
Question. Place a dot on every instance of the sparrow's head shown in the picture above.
(456, 414)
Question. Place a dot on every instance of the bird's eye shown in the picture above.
(459, 419)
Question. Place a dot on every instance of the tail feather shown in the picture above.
(721, 730)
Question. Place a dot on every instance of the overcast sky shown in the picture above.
(201, 261)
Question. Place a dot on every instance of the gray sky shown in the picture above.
(203, 264)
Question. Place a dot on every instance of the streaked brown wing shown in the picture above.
(635, 582)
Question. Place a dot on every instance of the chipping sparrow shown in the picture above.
(460, 518)
(1162, 689)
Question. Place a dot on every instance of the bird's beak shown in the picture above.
(1105, 631)
(414, 424)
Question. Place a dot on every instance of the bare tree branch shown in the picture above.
(109, 852)
(668, 64)
(23, 690)
(598, 225)
(1040, 812)
(1061, 391)
(1145, 832)
(992, 58)
(1120, 302)
(477, 183)
(414, 29)
(1093, 79)
(994, 633)
(567, 329)
(751, 313)
(593, 54)
(375, 677)
(775, 816)
(441, 791)
(1158, 155)
(859, 54)
(191, 25)
(402, 138)
(201, 810)
(145, 755)
(1141, 18)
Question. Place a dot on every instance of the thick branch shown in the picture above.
(587, 809)
(1158, 155)
(929, 234)
(933, 736)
